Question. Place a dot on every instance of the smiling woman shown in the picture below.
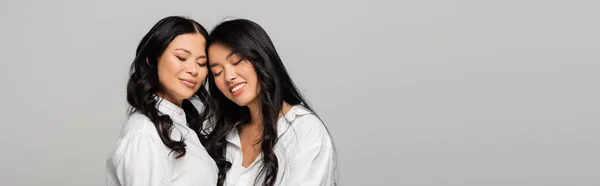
(160, 142)
(240, 75)
(265, 133)
(180, 71)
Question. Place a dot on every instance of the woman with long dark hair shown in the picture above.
(160, 143)
(264, 132)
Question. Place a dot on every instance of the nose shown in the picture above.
(230, 74)
(192, 68)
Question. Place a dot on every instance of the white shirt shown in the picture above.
(142, 159)
(304, 152)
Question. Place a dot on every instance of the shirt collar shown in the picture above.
(175, 112)
(283, 124)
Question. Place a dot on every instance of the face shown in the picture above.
(234, 76)
(182, 67)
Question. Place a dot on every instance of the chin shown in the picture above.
(241, 103)
(186, 95)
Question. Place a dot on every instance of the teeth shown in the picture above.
(237, 87)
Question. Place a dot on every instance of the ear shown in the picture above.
(147, 62)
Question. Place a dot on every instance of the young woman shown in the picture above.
(159, 144)
(264, 132)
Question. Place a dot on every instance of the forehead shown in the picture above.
(195, 43)
(218, 53)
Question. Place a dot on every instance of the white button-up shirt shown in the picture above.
(141, 158)
(304, 152)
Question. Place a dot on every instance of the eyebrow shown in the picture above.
(183, 49)
(228, 56)
(187, 51)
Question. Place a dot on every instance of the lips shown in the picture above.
(189, 83)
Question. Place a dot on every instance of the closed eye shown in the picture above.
(236, 63)
(217, 74)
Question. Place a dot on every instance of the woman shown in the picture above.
(264, 131)
(159, 144)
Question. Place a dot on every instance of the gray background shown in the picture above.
(428, 93)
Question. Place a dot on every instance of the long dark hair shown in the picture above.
(143, 81)
(251, 42)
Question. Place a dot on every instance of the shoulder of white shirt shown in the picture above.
(302, 120)
(138, 121)
(137, 127)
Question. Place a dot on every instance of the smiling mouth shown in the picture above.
(238, 87)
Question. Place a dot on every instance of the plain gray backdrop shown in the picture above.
(424, 93)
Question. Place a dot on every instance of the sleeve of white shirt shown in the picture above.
(314, 162)
(139, 161)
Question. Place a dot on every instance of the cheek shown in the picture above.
(202, 73)
(163, 73)
(166, 67)
(257, 88)
(252, 77)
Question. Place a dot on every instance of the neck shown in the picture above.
(255, 113)
(256, 121)
(175, 101)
